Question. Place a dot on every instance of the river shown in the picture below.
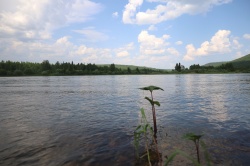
(89, 120)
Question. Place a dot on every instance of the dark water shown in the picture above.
(90, 120)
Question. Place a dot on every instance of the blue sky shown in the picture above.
(153, 33)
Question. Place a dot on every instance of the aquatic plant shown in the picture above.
(144, 129)
(197, 141)
(152, 102)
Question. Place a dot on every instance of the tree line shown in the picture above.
(9, 68)
(196, 68)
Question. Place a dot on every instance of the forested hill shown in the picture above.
(240, 63)
(9, 68)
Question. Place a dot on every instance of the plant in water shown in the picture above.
(197, 141)
(144, 129)
(152, 102)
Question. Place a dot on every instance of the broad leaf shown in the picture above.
(151, 88)
(192, 136)
(153, 102)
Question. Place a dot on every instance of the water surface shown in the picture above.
(89, 120)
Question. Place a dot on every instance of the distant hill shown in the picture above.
(244, 58)
(240, 63)
(132, 67)
(215, 64)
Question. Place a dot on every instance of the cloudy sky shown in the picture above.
(153, 33)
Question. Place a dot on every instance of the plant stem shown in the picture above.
(157, 150)
(154, 116)
(149, 162)
(197, 150)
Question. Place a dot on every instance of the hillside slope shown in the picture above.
(132, 67)
(215, 64)
(240, 63)
(244, 58)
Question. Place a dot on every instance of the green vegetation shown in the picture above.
(224, 68)
(132, 67)
(151, 155)
(144, 129)
(196, 139)
(214, 64)
(9, 68)
(244, 58)
(152, 102)
(240, 65)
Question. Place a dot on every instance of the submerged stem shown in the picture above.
(197, 150)
(154, 116)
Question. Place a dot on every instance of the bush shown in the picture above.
(18, 73)
(46, 72)
(28, 71)
(3, 72)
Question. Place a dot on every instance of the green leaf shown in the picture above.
(138, 127)
(157, 103)
(171, 157)
(192, 136)
(151, 88)
(143, 113)
(153, 102)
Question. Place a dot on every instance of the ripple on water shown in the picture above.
(90, 120)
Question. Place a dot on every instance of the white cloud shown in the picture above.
(92, 35)
(124, 51)
(173, 51)
(166, 10)
(179, 43)
(219, 43)
(31, 19)
(159, 59)
(123, 54)
(152, 45)
(152, 28)
(130, 10)
(115, 14)
(236, 44)
(246, 36)
(61, 49)
(97, 55)
(81, 10)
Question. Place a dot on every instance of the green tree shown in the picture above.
(137, 70)
(28, 71)
(3, 72)
(178, 67)
(112, 67)
(45, 65)
(129, 70)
